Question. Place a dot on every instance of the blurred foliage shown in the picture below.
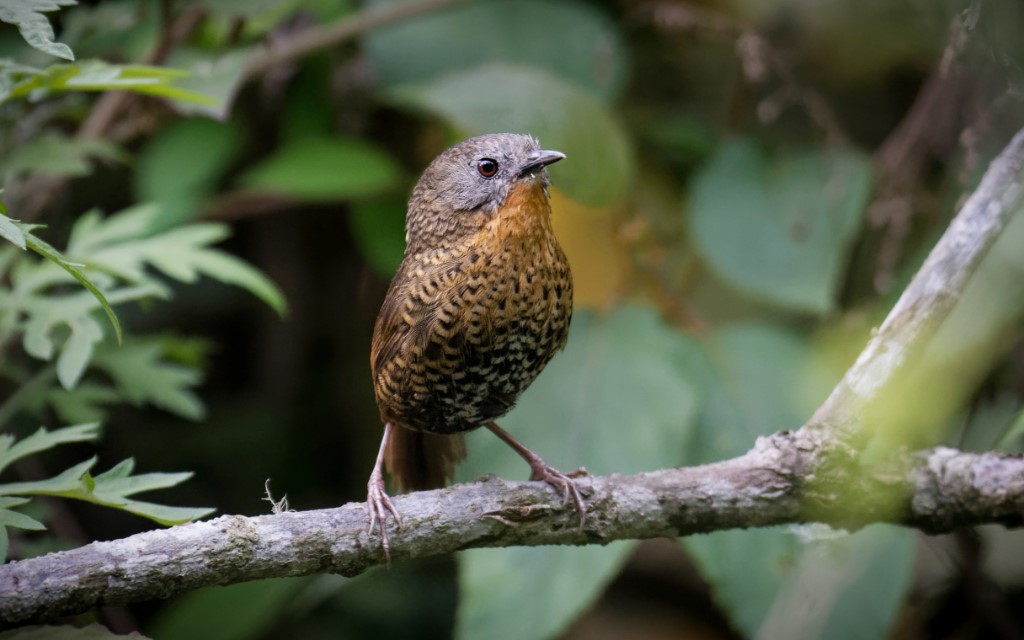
(748, 185)
(42, 315)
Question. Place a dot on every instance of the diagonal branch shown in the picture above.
(790, 477)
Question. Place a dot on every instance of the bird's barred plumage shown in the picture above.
(466, 328)
(481, 302)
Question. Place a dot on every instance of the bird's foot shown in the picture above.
(562, 482)
(378, 505)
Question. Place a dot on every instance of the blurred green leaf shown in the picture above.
(28, 16)
(325, 169)
(306, 113)
(106, 30)
(228, 269)
(1010, 442)
(379, 229)
(95, 75)
(179, 167)
(571, 40)
(119, 247)
(752, 382)
(142, 374)
(77, 350)
(847, 588)
(124, 244)
(217, 77)
(55, 154)
(531, 592)
(10, 231)
(745, 569)
(754, 379)
(499, 97)
(85, 403)
(780, 229)
(989, 423)
(234, 612)
(617, 400)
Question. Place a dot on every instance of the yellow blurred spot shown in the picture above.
(598, 262)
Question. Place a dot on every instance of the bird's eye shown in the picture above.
(487, 167)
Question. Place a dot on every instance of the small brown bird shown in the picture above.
(479, 305)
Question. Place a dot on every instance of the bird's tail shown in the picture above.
(419, 460)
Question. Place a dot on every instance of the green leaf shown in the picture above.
(14, 519)
(230, 270)
(111, 489)
(96, 75)
(214, 76)
(218, 612)
(44, 249)
(325, 169)
(379, 230)
(11, 232)
(77, 351)
(1014, 433)
(169, 170)
(623, 373)
(143, 375)
(496, 97)
(83, 404)
(66, 483)
(28, 16)
(43, 440)
(125, 243)
(17, 520)
(745, 570)
(990, 424)
(572, 40)
(780, 229)
(55, 154)
(847, 588)
(754, 380)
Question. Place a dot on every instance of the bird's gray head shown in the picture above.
(471, 179)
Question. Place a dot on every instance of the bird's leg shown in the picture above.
(540, 470)
(378, 504)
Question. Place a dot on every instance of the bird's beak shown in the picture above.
(538, 160)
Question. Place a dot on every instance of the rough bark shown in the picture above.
(938, 490)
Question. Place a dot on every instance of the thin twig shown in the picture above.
(318, 39)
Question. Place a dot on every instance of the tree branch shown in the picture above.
(319, 39)
(933, 293)
(790, 477)
(764, 487)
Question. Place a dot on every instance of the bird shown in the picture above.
(479, 305)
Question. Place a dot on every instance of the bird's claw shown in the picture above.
(378, 505)
(562, 482)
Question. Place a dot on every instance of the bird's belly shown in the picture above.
(482, 378)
